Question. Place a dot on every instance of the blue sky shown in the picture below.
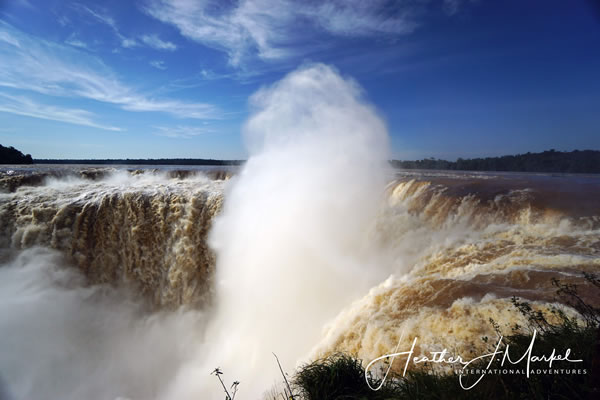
(171, 78)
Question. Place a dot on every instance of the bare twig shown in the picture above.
(218, 373)
(284, 378)
(234, 386)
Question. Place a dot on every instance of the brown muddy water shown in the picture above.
(117, 265)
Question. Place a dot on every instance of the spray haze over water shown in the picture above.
(288, 255)
(291, 245)
(63, 340)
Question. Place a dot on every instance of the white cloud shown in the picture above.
(364, 18)
(182, 132)
(128, 43)
(5, 37)
(155, 42)
(58, 70)
(21, 105)
(273, 28)
(174, 107)
(76, 43)
(158, 64)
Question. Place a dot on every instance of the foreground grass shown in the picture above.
(342, 376)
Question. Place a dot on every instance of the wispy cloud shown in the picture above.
(155, 42)
(103, 17)
(99, 15)
(364, 18)
(76, 43)
(21, 105)
(158, 64)
(73, 41)
(274, 29)
(233, 30)
(9, 39)
(26, 3)
(50, 68)
(62, 20)
(453, 6)
(182, 132)
(129, 43)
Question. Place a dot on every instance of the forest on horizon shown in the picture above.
(577, 161)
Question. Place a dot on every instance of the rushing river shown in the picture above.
(108, 276)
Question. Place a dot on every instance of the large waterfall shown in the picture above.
(135, 283)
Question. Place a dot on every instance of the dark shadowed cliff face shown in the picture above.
(146, 229)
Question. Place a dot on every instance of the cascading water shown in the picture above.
(144, 228)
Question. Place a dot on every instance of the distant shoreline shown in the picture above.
(551, 161)
(161, 161)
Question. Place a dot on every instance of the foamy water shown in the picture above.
(137, 283)
(146, 229)
(460, 256)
